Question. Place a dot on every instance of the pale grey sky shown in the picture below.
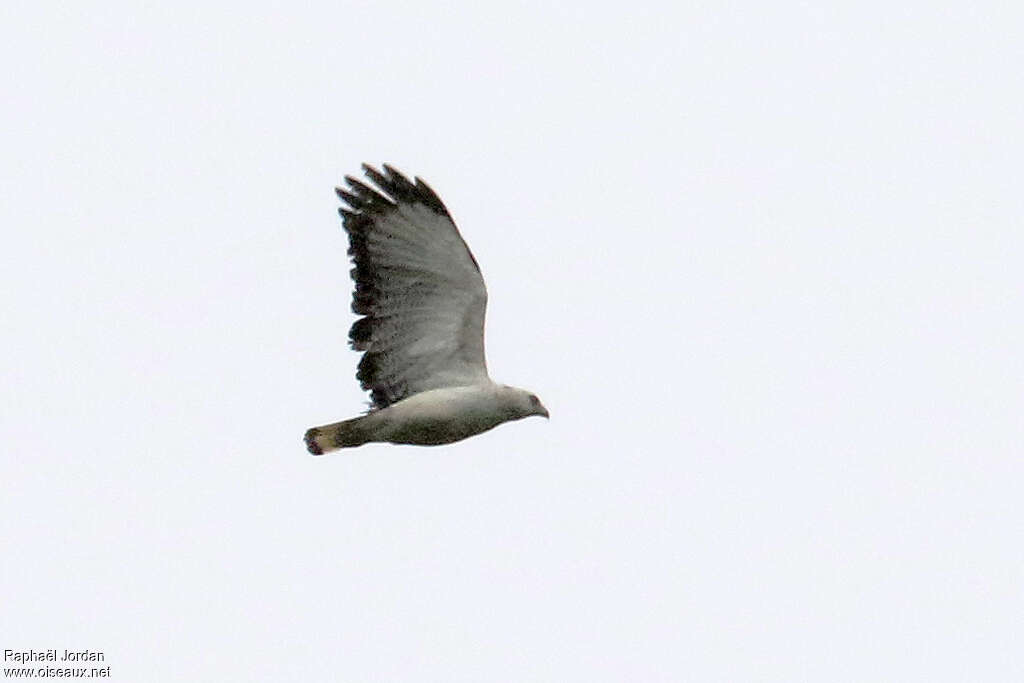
(762, 264)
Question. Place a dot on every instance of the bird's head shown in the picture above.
(523, 403)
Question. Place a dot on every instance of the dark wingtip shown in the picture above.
(370, 170)
(310, 440)
(429, 197)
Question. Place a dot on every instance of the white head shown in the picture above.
(521, 403)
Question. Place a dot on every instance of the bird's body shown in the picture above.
(430, 418)
(423, 298)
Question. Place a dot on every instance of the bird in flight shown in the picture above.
(422, 298)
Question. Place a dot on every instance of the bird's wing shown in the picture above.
(418, 286)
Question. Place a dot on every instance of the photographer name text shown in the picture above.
(26, 656)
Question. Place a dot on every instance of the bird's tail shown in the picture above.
(344, 434)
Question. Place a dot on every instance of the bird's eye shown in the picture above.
(534, 400)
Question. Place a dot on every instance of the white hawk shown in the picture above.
(422, 335)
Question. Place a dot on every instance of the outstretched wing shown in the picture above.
(418, 286)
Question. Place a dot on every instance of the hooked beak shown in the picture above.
(544, 412)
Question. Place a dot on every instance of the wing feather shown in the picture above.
(418, 287)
